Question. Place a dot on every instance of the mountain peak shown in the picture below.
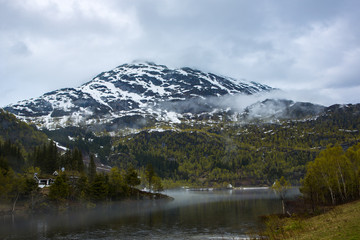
(129, 93)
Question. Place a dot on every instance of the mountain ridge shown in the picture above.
(141, 91)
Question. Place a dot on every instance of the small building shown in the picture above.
(43, 182)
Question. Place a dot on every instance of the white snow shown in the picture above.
(172, 117)
(104, 92)
(94, 93)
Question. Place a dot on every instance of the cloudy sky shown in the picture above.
(310, 49)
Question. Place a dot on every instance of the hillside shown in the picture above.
(342, 222)
(17, 140)
(206, 153)
(16, 131)
(243, 154)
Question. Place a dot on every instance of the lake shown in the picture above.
(225, 214)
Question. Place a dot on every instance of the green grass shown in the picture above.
(342, 222)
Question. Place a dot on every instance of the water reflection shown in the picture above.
(192, 215)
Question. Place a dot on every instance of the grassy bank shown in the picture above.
(342, 222)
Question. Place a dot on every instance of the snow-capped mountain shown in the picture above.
(131, 95)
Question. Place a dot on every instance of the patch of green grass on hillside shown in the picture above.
(342, 222)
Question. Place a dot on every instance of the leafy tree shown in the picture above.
(131, 177)
(311, 188)
(281, 187)
(353, 155)
(7, 177)
(31, 189)
(60, 189)
(333, 177)
(18, 186)
(117, 186)
(157, 185)
(149, 175)
(15, 186)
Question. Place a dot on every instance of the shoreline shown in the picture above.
(50, 207)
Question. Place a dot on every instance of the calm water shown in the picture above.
(227, 214)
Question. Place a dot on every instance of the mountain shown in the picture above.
(134, 95)
(189, 125)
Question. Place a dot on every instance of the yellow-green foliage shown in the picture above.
(212, 154)
(334, 176)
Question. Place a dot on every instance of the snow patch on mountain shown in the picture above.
(133, 95)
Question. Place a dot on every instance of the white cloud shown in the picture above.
(294, 45)
(325, 52)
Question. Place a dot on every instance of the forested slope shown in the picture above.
(19, 132)
(240, 154)
(17, 140)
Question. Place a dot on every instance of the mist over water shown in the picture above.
(227, 214)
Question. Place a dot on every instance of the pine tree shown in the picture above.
(52, 158)
(77, 159)
(92, 168)
(99, 188)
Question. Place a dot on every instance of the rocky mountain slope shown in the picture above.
(133, 95)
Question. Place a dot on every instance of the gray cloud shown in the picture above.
(21, 49)
(300, 45)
